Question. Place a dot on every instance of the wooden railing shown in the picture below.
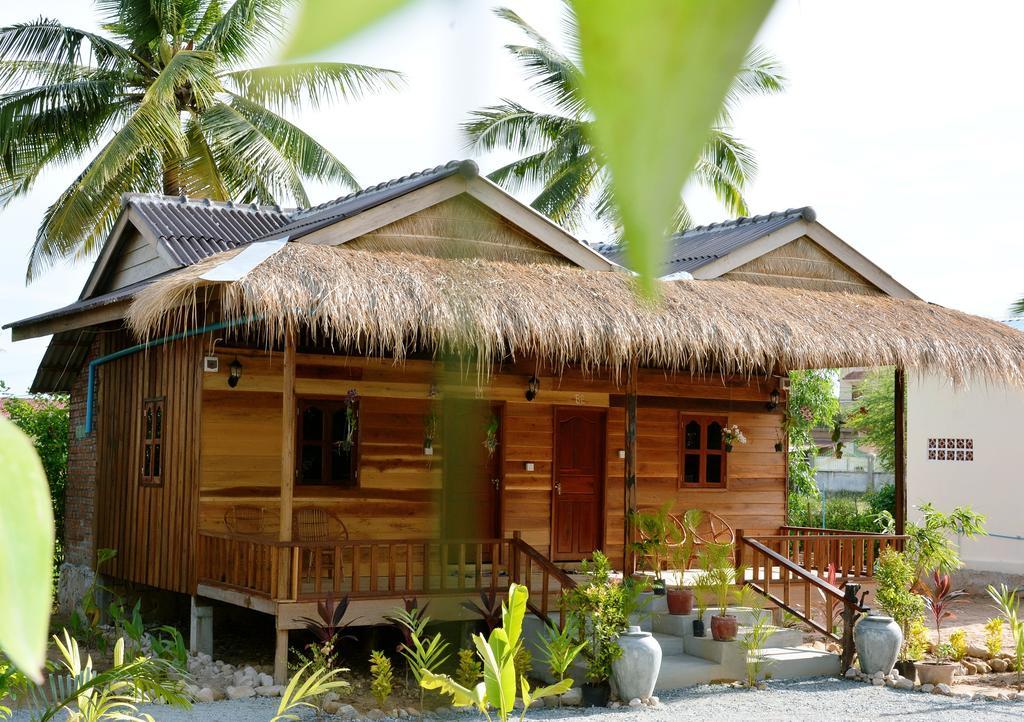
(379, 569)
(819, 604)
(851, 554)
(525, 561)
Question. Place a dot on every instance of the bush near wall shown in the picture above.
(44, 418)
(853, 512)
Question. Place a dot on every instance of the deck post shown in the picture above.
(284, 565)
(630, 505)
(899, 448)
(200, 631)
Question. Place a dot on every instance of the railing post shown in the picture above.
(739, 548)
(517, 537)
(850, 611)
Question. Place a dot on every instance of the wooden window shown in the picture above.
(327, 453)
(152, 442)
(702, 451)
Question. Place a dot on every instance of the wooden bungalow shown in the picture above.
(427, 389)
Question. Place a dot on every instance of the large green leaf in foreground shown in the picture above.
(26, 552)
(323, 23)
(655, 75)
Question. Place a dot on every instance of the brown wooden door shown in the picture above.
(472, 470)
(577, 489)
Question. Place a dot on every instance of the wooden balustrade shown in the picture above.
(380, 569)
(851, 554)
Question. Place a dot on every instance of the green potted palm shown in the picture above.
(681, 545)
(701, 594)
(720, 575)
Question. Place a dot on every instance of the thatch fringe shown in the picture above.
(390, 304)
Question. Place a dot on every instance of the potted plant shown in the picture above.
(652, 546)
(720, 576)
(701, 594)
(732, 435)
(937, 599)
(597, 609)
(680, 598)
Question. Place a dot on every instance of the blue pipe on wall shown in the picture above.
(91, 381)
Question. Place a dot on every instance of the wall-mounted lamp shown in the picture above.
(622, 453)
(234, 373)
(528, 466)
(532, 387)
(773, 400)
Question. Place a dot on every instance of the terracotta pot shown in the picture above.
(680, 601)
(596, 695)
(935, 672)
(724, 629)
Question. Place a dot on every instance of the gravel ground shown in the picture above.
(815, 699)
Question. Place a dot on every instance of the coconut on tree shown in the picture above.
(556, 153)
(161, 100)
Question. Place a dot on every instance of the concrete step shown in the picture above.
(686, 671)
(671, 645)
(800, 662)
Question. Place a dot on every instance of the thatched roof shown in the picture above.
(392, 303)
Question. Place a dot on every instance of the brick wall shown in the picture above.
(80, 494)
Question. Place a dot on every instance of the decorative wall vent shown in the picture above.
(946, 449)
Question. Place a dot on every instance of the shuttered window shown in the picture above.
(702, 452)
(328, 449)
(151, 471)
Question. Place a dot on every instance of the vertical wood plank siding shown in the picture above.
(152, 528)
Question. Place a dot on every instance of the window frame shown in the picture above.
(328, 405)
(155, 443)
(704, 421)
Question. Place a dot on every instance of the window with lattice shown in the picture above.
(151, 472)
(702, 454)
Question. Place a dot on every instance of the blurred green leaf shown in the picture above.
(655, 75)
(26, 552)
(325, 23)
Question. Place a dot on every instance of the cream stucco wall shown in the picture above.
(993, 483)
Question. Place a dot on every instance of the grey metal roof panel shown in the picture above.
(62, 361)
(191, 229)
(312, 219)
(700, 245)
(120, 294)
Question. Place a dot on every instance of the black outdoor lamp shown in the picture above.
(773, 400)
(235, 373)
(532, 387)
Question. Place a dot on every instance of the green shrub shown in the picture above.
(895, 577)
(958, 641)
(994, 635)
(469, 671)
(382, 676)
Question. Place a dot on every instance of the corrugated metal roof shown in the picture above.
(190, 229)
(87, 304)
(700, 245)
(62, 361)
(312, 219)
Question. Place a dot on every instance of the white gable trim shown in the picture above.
(518, 214)
(820, 235)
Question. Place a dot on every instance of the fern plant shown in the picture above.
(85, 695)
(382, 676)
(306, 690)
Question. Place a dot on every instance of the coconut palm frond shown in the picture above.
(244, 27)
(511, 125)
(292, 85)
(53, 42)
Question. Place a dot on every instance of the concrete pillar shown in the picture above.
(200, 635)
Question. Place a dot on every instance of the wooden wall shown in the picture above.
(399, 495)
(152, 528)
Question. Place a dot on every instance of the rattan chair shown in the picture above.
(313, 524)
(242, 519)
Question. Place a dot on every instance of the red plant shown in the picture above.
(489, 609)
(833, 606)
(938, 598)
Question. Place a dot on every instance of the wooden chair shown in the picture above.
(243, 519)
(712, 529)
(313, 524)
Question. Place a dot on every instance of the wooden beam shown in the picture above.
(287, 462)
(694, 405)
(899, 447)
(629, 561)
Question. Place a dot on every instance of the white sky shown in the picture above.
(901, 126)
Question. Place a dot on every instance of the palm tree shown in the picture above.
(162, 101)
(557, 155)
